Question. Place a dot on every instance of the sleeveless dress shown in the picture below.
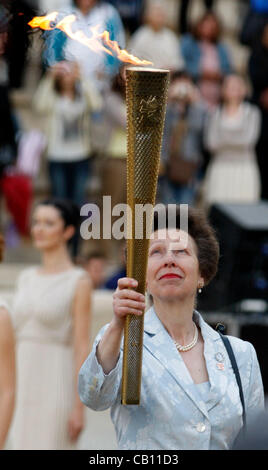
(233, 175)
(3, 304)
(42, 318)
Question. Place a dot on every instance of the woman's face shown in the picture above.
(48, 230)
(208, 29)
(85, 5)
(173, 267)
(233, 89)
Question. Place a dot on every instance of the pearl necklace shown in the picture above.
(190, 345)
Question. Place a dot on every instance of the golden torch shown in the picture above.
(146, 105)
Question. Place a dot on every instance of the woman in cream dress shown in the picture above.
(7, 369)
(232, 175)
(51, 314)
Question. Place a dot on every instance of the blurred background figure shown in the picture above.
(131, 13)
(46, 6)
(51, 317)
(206, 58)
(183, 24)
(255, 20)
(21, 12)
(95, 265)
(114, 161)
(100, 67)
(120, 270)
(7, 128)
(67, 101)
(4, 27)
(182, 142)
(7, 367)
(258, 74)
(231, 135)
(15, 189)
(154, 41)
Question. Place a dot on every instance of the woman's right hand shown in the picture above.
(127, 301)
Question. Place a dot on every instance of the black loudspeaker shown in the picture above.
(242, 230)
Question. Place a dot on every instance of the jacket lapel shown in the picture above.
(160, 344)
(217, 362)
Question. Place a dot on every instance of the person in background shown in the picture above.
(258, 73)
(254, 22)
(95, 266)
(155, 42)
(206, 58)
(114, 161)
(21, 12)
(130, 12)
(99, 66)
(182, 142)
(46, 6)
(7, 367)
(231, 135)
(51, 315)
(4, 30)
(67, 101)
(183, 25)
(8, 144)
(120, 271)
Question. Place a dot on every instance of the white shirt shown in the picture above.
(161, 47)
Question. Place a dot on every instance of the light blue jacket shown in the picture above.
(191, 53)
(172, 414)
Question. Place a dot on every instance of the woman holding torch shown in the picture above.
(189, 394)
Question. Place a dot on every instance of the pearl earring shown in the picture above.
(200, 286)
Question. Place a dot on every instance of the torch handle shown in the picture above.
(146, 103)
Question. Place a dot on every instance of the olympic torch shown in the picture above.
(146, 103)
(146, 106)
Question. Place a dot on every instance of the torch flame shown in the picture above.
(95, 42)
(44, 22)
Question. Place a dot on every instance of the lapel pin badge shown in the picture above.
(219, 357)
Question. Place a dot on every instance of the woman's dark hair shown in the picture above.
(196, 26)
(201, 232)
(68, 210)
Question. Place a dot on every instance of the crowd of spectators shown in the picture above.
(215, 135)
